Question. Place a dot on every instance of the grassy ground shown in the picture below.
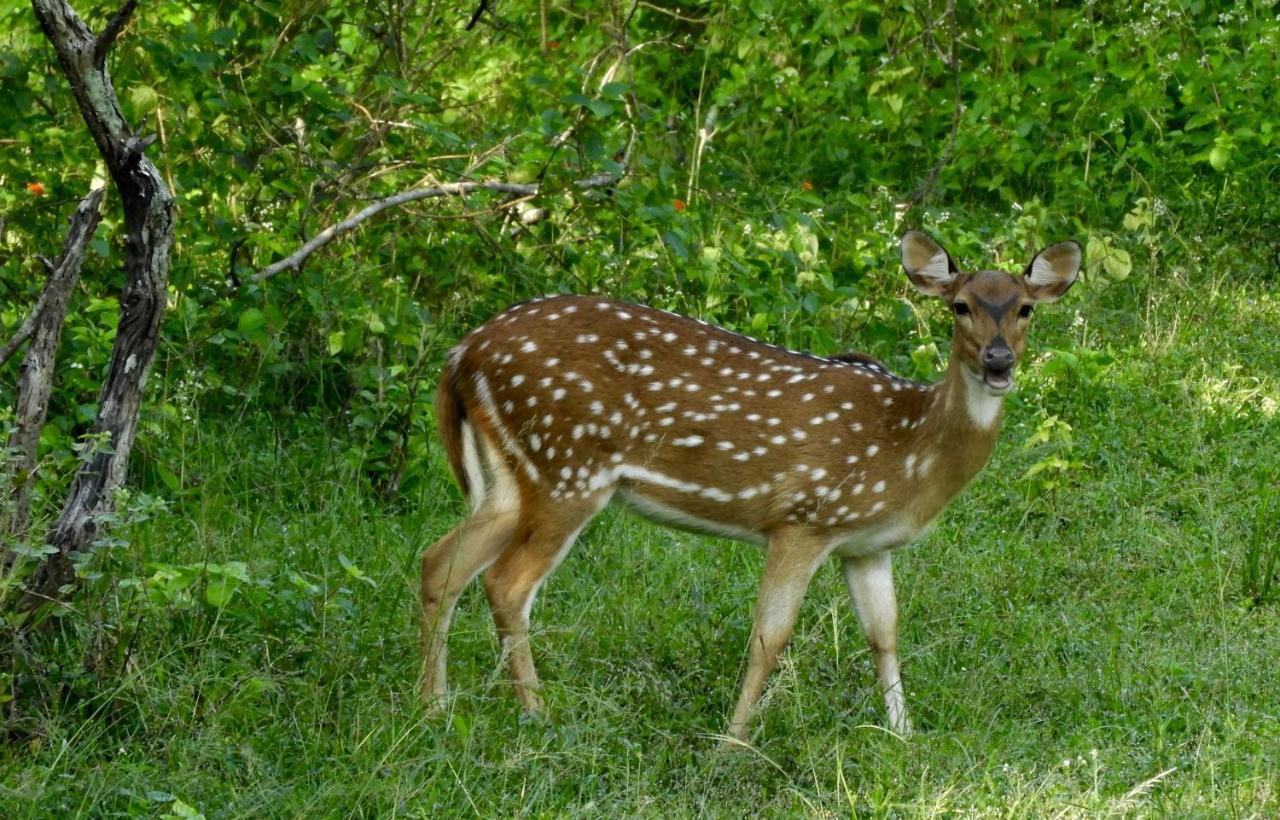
(1073, 649)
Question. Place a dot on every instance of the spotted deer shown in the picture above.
(555, 407)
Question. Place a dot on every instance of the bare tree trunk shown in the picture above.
(35, 382)
(148, 220)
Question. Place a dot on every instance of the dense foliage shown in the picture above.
(770, 153)
(777, 149)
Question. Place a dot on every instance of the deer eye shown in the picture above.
(1025, 311)
(960, 308)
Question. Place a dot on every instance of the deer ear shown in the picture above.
(928, 266)
(1053, 271)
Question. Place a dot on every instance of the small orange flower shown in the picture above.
(807, 186)
(678, 204)
(553, 44)
(35, 188)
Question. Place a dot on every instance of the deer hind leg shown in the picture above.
(447, 567)
(870, 581)
(543, 538)
(789, 565)
(450, 564)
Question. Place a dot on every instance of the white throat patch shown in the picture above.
(983, 407)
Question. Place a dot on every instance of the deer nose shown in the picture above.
(997, 356)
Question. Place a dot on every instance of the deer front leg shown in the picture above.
(789, 564)
(870, 581)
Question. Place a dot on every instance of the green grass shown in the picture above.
(1088, 648)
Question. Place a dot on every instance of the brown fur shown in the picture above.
(450, 413)
(574, 400)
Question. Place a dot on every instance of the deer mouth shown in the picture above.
(997, 379)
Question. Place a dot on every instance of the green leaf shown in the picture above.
(144, 99)
(219, 590)
(1117, 263)
(355, 571)
(185, 812)
(1219, 156)
(600, 108)
(11, 65)
(1095, 250)
(169, 478)
(238, 570)
(676, 244)
(251, 323)
(336, 341)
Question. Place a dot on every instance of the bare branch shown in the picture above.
(114, 26)
(25, 330)
(701, 21)
(475, 17)
(62, 274)
(135, 145)
(294, 261)
(35, 381)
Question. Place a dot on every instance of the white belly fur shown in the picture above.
(886, 535)
(662, 514)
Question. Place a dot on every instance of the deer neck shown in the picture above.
(959, 432)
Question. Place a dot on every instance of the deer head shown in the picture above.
(992, 309)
